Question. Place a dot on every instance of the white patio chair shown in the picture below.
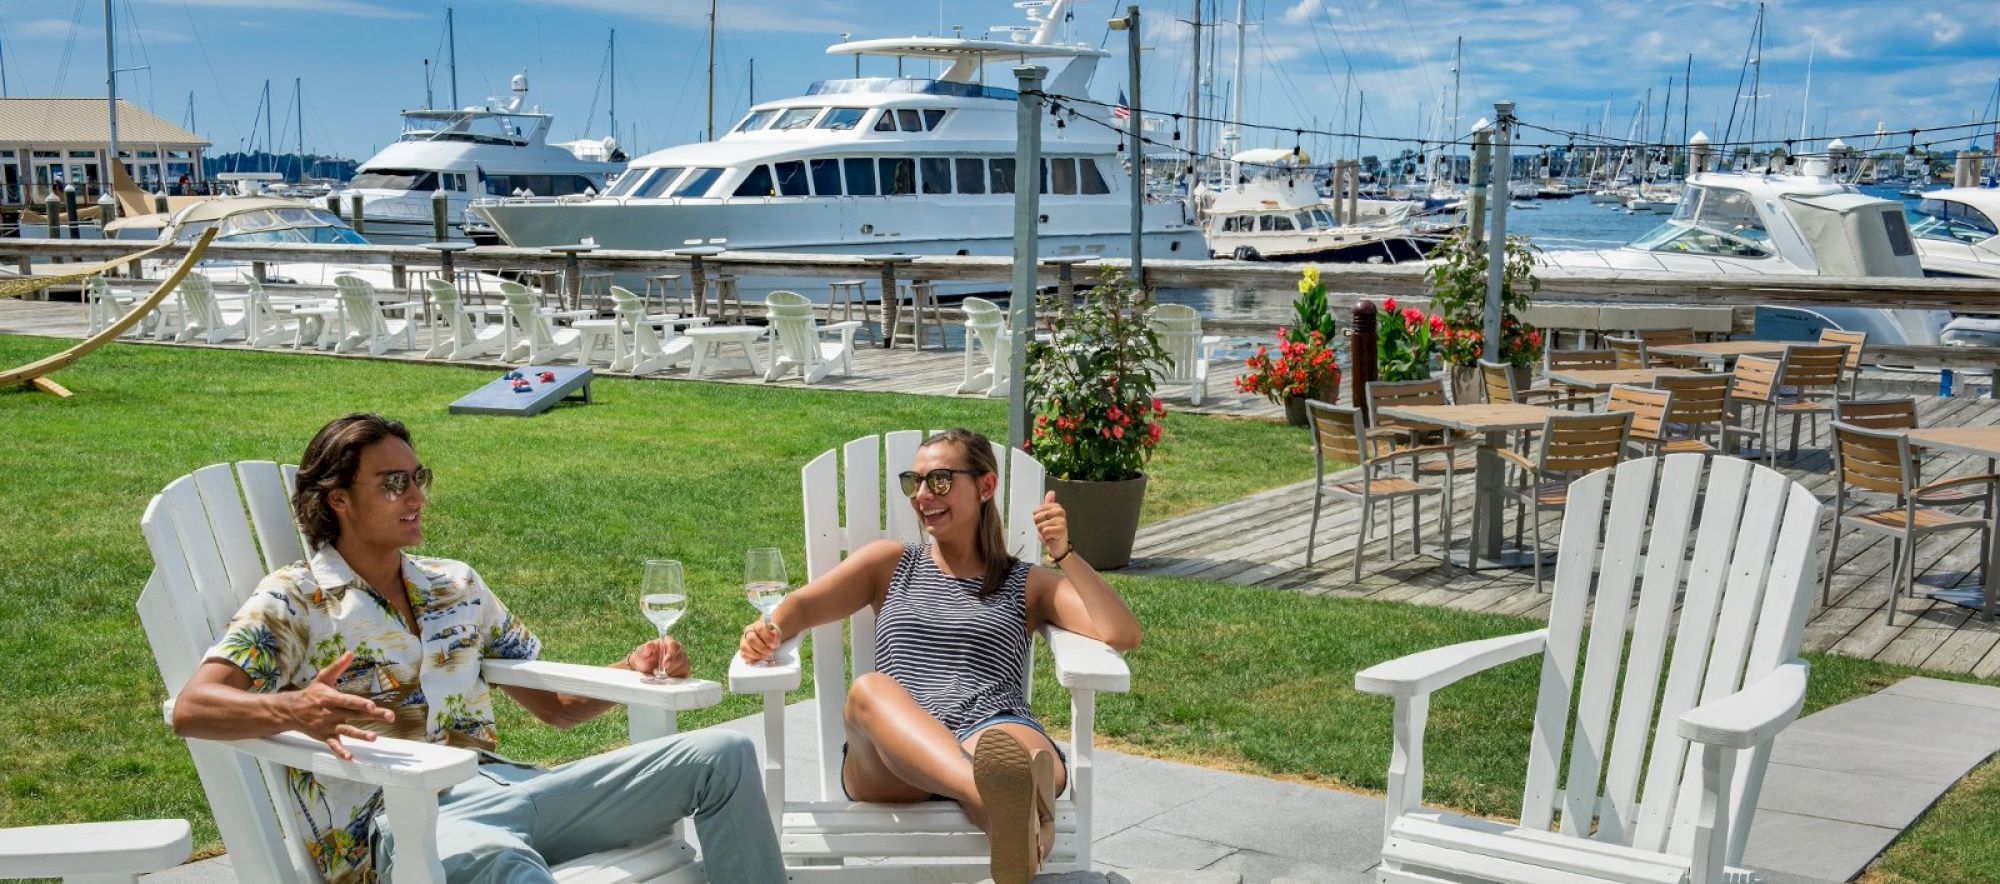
(369, 326)
(799, 345)
(542, 341)
(466, 335)
(208, 555)
(102, 306)
(987, 336)
(267, 327)
(1178, 327)
(204, 319)
(1694, 728)
(824, 834)
(645, 352)
(94, 853)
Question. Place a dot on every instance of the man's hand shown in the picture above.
(1052, 523)
(657, 655)
(323, 712)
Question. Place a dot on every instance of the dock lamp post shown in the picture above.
(1129, 23)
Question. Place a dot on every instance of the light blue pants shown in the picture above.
(510, 823)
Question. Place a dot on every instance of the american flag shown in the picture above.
(1120, 111)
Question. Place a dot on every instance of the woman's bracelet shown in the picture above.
(1065, 554)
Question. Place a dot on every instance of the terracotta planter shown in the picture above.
(1103, 518)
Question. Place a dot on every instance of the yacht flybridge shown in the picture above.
(879, 164)
(495, 149)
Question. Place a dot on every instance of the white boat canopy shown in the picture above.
(1843, 230)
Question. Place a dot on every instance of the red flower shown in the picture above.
(1437, 324)
(1117, 432)
(1159, 407)
(1389, 305)
(1413, 317)
(1535, 338)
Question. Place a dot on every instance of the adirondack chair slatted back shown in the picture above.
(791, 317)
(1877, 414)
(629, 311)
(532, 324)
(875, 509)
(357, 301)
(1178, 328)
(1743, 594)
(207, 558)
(198, 294)
(444, 297)
(984, 323)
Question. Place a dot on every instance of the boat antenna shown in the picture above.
(299, 101)
(111, 93)
(451, 50)
(427, 84)
(711, 70)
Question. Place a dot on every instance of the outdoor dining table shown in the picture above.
(1491, 422)
(1724, 352)
(1977, 442)
(1601, 379)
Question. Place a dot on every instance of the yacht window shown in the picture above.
(932, 118)
(756, 120)
(971, 175)
(792, 179)
(1322, 219)
(899, 176)
(656, 185)
(1093, 180)
(1731, 212)
(1952, 222)
(796, 118)
(1000, 172)
(1898, 228)
(1303, 220)
(826, 177)
(395, 179)
(1701, 240)
(886, 122)
(1043, 182)
(698, 182)
(757, 183)
(1063, 175)
(910, 120)
(860, 176)
(629, 181)
(842, 118)
(937, 174)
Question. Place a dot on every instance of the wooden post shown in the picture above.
(50, 210)
(399, 277)
(890, 304)
(1361, 356)
(1482, 164)
(160, 203)
(440, 230)
(257, 271)
(698, 284)
(69, 212)
(354, 219)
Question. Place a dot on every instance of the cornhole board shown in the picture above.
(498, 396)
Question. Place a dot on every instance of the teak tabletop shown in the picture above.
(1976, 441)
(1722, 349)
(1605, 378)
(1491, 417)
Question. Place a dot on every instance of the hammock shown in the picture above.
(35, 373)
(22, 286)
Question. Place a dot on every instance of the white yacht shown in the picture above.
(880, 165)
(1958, 235)
(1274, 213)
(1808, 223)
(494, 149)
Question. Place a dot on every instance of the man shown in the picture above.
(363, 639)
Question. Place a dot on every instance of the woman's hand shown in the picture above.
(760, 641)
(662, 656)
(1052, 523)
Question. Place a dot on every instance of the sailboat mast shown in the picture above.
(711, 70)
(1232, 135)
(1194, 100)
(1756, 75)
(613, 77)
(451, 52)
(1687, 98)
(270, 110)
(299, 101)
(1805, 107)
(753, 82)
(111, 94)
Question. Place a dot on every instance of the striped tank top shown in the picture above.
(961, 657)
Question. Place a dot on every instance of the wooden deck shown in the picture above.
(930, 372)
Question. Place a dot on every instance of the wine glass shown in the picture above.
(663, 598)
(764, 582)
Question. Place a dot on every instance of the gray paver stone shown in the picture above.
(1813, 847)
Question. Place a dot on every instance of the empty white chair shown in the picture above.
(203, 316)
(369, 326)
(1178, 327)
(542, 341)
(468, 337)
(95, 853)
(798, 344)
(643, 351)
(267, 327)
(987, 336)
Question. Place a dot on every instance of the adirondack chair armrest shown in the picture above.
(127, 847)
(1751, 716)
(783, 676)
(1208, 345)
(404, 305)
(1425, 672)
(848, 327)
(1086, 663)
(388, 761)
(602, 683)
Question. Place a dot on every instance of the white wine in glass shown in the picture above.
(764, 581)
(663, 599)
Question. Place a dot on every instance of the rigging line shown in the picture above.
(222, 95)
(1285, 79)
(69, 46)
(1423, 58)
(139, 37)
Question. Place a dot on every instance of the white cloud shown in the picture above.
(1943, 30)
(795, 16)
(358, 8)
(1304, 13)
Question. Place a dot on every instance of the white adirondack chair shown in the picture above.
(1178, 327)
(94, 853)
(470, 336)
(208, 556)
(101, 304)
(205, 320)
(542, 341)
(369, 326)
(1698, 746)
(986, 333)
(267, 327)
(644, 352)
(798, 345)
(820, 834)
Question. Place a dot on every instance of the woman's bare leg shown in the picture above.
(897, 753)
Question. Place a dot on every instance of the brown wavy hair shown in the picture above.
(992, 538)
(331, 460)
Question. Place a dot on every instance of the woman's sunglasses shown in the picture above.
(939, 480)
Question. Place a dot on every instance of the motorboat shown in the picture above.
(916, 165)
(498, 148)
(1274, 213)
(1806, 222)
(1957, 233)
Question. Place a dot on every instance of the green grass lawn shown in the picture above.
(557, 511)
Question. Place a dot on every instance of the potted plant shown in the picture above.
(1405, 341)
(1457, 282)
(1090, 386)
(1306, 366)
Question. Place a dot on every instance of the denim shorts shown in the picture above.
(965, 733)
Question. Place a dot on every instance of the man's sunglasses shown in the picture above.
(397, 484)
(939, 480)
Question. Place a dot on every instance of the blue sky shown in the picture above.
(1902, 65)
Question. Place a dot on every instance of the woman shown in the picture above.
(944, 715)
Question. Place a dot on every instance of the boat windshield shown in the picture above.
(1951, 222)
(295, 225)
(479, 127)
(1711, 221)
(756, 120)
(395, 179)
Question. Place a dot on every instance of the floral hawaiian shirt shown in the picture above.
(303, 617)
